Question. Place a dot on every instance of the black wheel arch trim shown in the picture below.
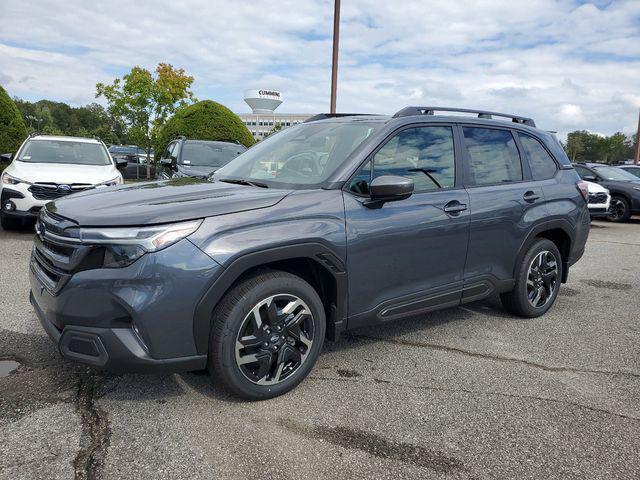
(545, 226)
(317, 252)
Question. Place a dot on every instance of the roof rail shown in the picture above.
(411, 111)
(323, 116)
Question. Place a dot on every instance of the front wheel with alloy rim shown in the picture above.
(619, 211)
(267, 334)
(537, 280)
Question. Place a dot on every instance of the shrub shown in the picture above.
(12, 128)
(205, 120)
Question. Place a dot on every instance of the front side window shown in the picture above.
(209, 154)
(541, 163)
(583, 172)
(303, 155)
(424, 154)
(64, 151)
(493, 156)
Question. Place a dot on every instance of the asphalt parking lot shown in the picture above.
(469, 392)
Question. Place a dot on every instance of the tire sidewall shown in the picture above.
(535, 249)
(627, 207)
(275, 284)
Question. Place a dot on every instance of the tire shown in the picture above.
(279, 347)
(531, 278)
(10, 223)
(620, 210)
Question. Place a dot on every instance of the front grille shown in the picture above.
(599, 197)
(58, 254)
(52, 191)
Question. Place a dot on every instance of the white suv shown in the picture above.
(599, 200)
(49, 167)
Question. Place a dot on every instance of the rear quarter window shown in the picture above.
(541, 163)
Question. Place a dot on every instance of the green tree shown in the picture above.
(205, 120)
(144, 101)
(12, 128)
(574, 146)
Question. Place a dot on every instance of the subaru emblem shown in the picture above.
(64, 188)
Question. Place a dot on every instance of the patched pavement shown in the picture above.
(468, 392)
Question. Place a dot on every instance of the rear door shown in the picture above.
(407, 256)
(504, 202)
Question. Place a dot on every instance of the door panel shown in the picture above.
(500, 220)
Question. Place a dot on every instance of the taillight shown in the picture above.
(584, 189)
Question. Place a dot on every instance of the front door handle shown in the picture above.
(530, 196)
(454, 207)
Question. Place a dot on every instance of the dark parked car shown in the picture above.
(634, 169)
(136, 158)
(196, 158)
(337, 223)
(623, 186)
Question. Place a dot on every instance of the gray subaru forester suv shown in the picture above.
(341, 222)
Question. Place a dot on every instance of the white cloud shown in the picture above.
(568, 65)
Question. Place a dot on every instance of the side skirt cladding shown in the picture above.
(315, 252)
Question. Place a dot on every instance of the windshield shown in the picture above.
(64, 151)
(615, 173)
(306, 154)
(209, 154)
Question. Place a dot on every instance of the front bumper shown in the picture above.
(133, 319)
(26, 206)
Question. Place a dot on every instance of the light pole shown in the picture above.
(637, 159)
(334, 60)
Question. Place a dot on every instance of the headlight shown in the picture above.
(636, 188)
(9, 180)
(110, 183)
(124, 246)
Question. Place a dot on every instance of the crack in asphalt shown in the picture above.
(480, 392)
(487, 356)
(96, 430)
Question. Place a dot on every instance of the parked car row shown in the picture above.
(613, 185)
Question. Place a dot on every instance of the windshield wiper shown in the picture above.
(242, 181)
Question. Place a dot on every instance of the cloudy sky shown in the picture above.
(569, 64)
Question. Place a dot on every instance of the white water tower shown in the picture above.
(263, 100)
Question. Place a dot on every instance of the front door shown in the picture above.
(407, 256)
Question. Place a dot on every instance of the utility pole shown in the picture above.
(334, 62)
(637, 159)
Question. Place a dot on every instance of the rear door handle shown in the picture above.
(454, 207)
(530, 196)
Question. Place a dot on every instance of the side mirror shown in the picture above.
(6, 157)
(590, 178)
(388, 188)
(121, 162)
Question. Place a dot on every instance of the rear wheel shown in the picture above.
(537, 281)
(619, 211)
(267, 335)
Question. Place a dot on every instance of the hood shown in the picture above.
(595, 188)
(62, 172)
(168, 201)
(201, 171)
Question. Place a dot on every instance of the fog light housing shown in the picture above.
(9, 206)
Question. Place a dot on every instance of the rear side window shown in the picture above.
(541, 163)
(493, 156)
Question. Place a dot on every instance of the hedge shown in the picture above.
(12, 128)
(205, 120)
